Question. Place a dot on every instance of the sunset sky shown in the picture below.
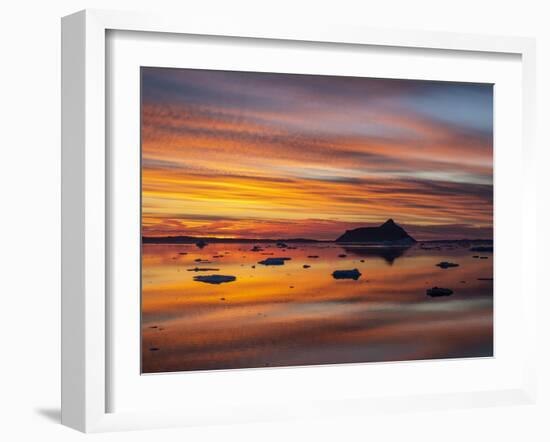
(259, 155)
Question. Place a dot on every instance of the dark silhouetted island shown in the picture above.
(388, 233)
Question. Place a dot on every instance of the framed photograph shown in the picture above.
(263, 222)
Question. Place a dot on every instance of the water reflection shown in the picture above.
(388, 254)
(298, 314)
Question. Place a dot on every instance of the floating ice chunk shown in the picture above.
(274, 261)
(346, 274)
(446, 264)
(215, 279)
(439, 291)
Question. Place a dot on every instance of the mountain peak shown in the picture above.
(388, 233)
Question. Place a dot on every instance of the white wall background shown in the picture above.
(30, 216)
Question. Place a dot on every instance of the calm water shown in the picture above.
(290, 315)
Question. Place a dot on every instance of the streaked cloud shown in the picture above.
(249, 154)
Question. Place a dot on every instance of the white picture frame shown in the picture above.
(86, 202)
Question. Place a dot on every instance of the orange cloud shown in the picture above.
(256, 171)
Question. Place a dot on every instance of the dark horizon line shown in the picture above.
(186, 239)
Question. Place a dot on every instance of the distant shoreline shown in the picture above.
(206, 239)
(213, 240)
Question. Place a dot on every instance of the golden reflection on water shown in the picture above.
(290, 315)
